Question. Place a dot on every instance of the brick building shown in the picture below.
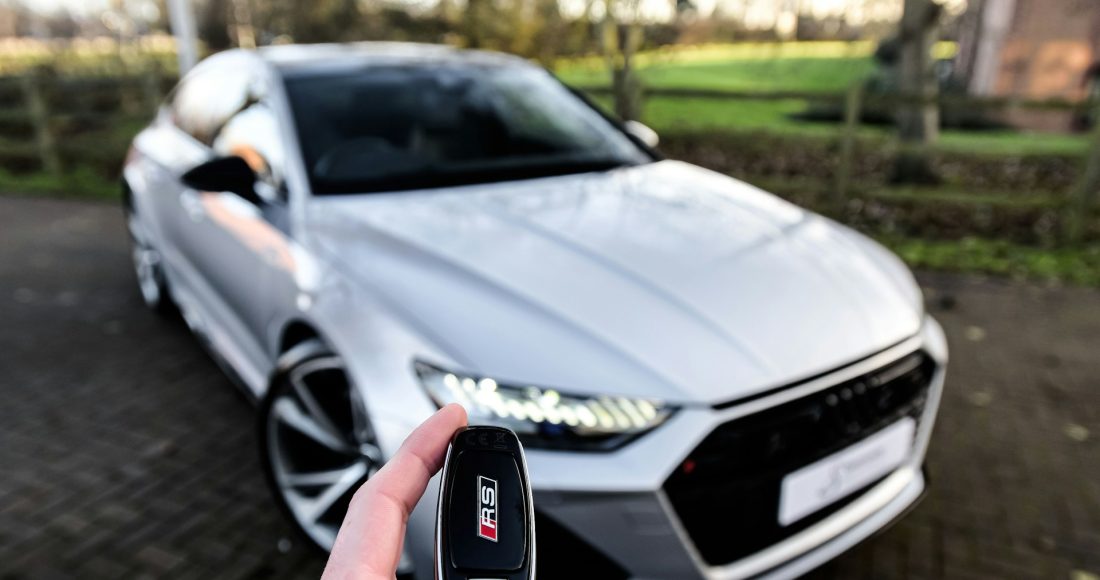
(1034, 49)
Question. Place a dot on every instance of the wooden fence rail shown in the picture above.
(40, 105)
(892, 99)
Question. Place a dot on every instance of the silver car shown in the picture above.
(710, 382)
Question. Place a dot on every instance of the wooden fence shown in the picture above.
(56, 125)
(1078, 207)
(50, 125)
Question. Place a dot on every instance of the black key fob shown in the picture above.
(485, 520)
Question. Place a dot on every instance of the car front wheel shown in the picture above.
(316, 439)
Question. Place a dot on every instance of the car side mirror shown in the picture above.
(231, 174)
(642, 133)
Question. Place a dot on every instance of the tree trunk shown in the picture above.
(1084, 196)
(474, 23)
(553, 34)
(243, 32)
(620, 43)
(918, 122)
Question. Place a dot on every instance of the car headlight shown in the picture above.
(545, 418)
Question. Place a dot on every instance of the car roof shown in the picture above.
(321, 57)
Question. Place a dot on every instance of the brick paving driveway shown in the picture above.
(124, 453)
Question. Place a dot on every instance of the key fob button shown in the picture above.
(487, 512)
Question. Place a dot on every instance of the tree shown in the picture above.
(213, 25)
(918, 114)
(474, 22)
(550, 38)
(300, 21)
(622, 36)
(242, 29)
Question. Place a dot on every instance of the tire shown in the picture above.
(148, 267)
(316, 442)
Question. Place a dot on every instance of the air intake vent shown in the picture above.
(726, 492)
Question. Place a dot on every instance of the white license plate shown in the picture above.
(821, 483)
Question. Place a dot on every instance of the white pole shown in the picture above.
(996, 23)
(183, 28)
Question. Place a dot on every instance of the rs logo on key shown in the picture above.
(487, 508)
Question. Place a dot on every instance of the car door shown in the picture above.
(251, 250)
(235, 248)
(171, 147)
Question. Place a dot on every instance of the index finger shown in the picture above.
(370, 539)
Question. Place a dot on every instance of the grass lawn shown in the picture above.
(81, 183)
(826, 75)
(822, 67)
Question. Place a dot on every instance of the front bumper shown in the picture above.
(616, 502)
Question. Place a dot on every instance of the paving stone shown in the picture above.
(127, 454)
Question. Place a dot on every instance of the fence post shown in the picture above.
(853, 103)
(1085, 191)
(40, 119)
(150, 84)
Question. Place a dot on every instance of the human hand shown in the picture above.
(368, 546)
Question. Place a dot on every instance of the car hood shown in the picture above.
(663, 280)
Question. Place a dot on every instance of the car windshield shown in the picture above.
(388, 128)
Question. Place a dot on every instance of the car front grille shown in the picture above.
(726, 492)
